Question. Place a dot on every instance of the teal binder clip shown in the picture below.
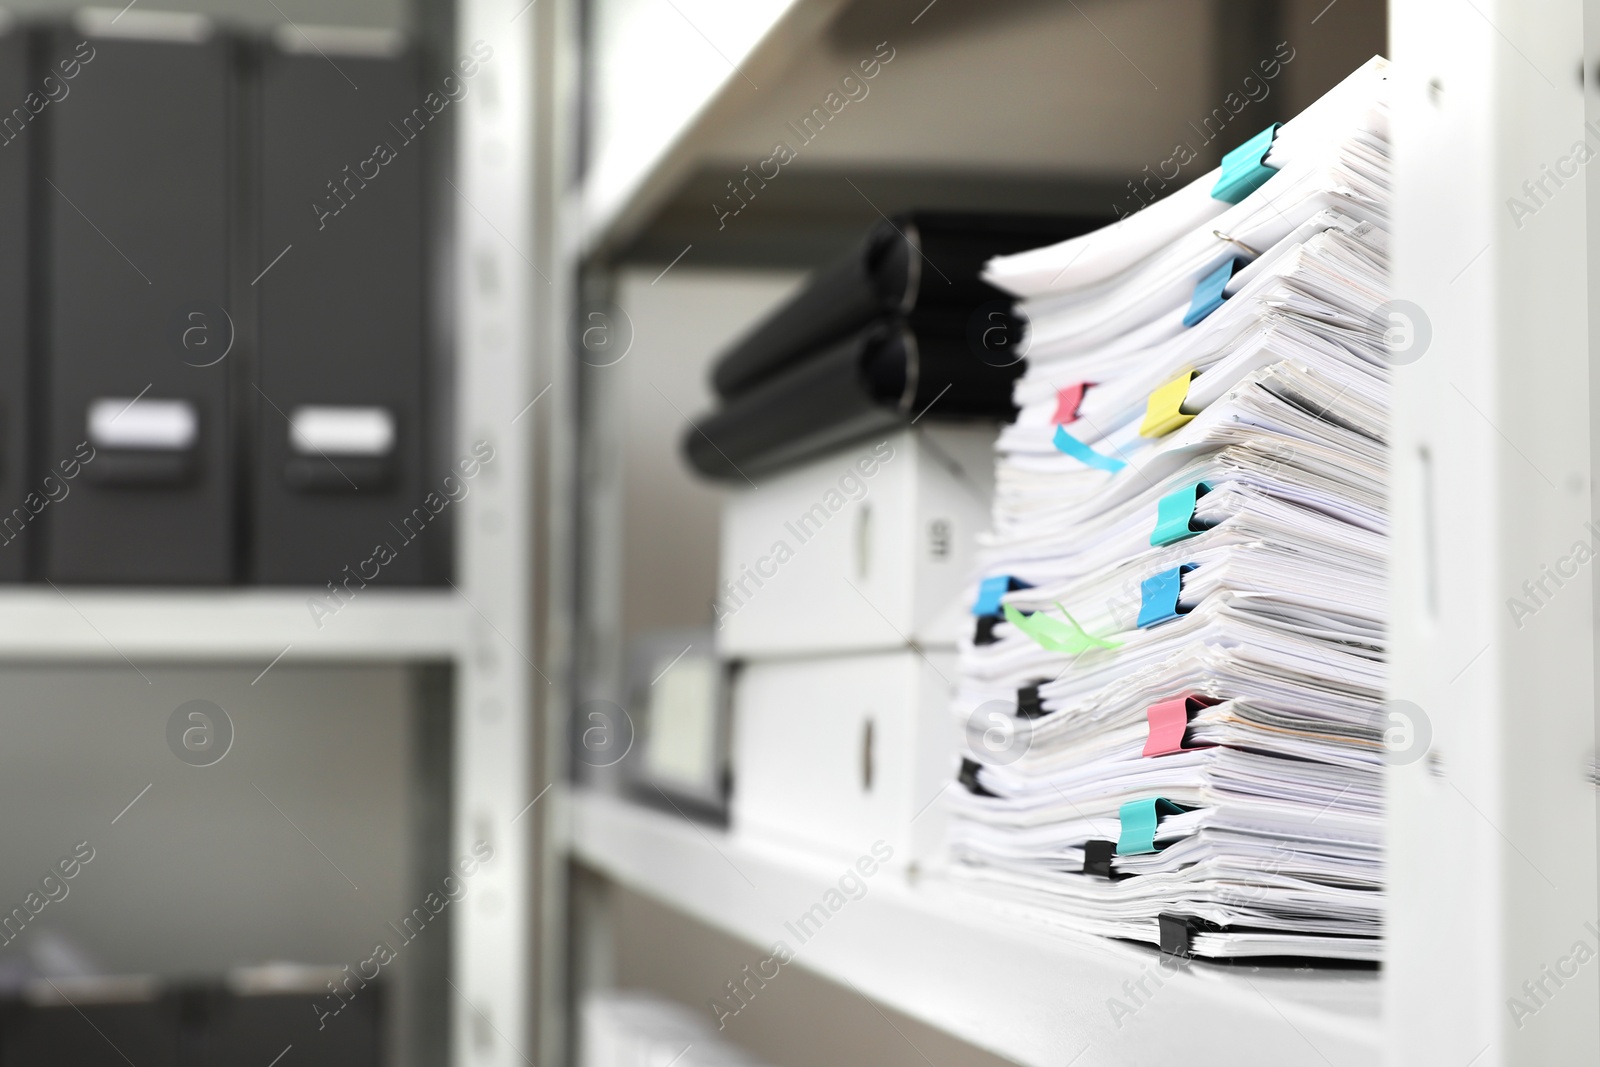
(1139, 821)
(1175, 514)
(1244, 170)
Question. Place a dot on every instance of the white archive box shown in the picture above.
(869, 547)
(837, 753)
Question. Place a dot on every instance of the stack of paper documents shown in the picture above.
(1173, 693)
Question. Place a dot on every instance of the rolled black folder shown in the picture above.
(915, 261)
(878, 379)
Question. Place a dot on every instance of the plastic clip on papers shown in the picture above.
(1158, 596)
(1175, 514)
(1097, 858)
(990, 590)
(1210, 293)
(1139, 819)
(1169, 722)
(1069, 445)
(1053, 634)
(1068, 400)
(1030, 705)
(1164, 412)
(1244, 170)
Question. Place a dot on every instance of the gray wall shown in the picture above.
(219, 866)
(670, 517)
(639, 505)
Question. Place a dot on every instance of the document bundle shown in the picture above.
(901, 326)
(1172, 693)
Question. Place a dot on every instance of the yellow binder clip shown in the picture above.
(1165, 411)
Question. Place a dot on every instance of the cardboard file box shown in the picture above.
(834, 754)
(868, 548)
(139, 165)
(341, 426)
(258, 1011)
(93, 1022)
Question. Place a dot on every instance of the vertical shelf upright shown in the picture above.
(502, 678)
(1492, 839)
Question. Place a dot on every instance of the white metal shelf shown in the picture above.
(87, 624)
(640, 161)
(955, 962)
(676, 129)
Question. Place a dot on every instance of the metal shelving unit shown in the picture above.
(237, 625)
(1494, 860)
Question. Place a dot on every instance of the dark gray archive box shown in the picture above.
(137, 186)
(17, 140)
(93, 1023)
(323, 1029)
(338, 482)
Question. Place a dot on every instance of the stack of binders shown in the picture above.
(901, 325)
(1173, 692)
(843, 576)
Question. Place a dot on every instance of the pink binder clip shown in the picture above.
(1168, 721)
(1067, 400)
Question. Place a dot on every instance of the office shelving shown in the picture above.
(960, 964)
(1493, 840)
(379, 625)
(482, 626)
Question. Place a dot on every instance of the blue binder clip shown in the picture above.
(992, 589)
(1071, 446)
(1209, 293)
(1158, 596)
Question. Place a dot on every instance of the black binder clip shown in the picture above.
(1097, 858)
(984, 634)
(1030, 705)
(1177, 934)
(969, 778)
